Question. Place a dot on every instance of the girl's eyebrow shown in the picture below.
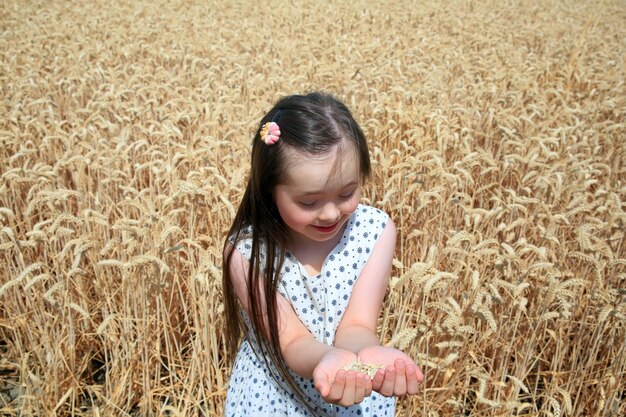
(350, 184)
(304, 194)
(308, 193)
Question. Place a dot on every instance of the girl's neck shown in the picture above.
(312, 254)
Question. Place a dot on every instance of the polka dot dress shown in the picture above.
(319, 302)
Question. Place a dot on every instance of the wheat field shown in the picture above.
(496, 131)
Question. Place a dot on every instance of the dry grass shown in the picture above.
(497, 132)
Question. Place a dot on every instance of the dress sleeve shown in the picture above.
(243, 243)
(370, 224)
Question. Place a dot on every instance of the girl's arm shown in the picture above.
(357, 330)
(303, 354)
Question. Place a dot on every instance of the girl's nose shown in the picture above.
(329, 213)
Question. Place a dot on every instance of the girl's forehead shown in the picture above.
(315, 173)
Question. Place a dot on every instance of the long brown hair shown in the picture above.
(312, 124)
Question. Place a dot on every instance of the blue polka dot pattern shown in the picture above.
(320, 302)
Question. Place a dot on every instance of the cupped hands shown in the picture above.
(338, 386)
(399, 375)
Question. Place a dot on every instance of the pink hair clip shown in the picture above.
(270, 133)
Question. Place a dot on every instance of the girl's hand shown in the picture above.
(337, 386)
(400, 375)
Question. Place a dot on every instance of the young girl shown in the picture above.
(305, 273)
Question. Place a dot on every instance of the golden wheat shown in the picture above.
(499, 155)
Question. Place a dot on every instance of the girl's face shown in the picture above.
(319, 194)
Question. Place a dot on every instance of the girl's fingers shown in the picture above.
(336, 389)
(377, 381)
(420, 375)
(349, 390)
(399, 387)
(368, 386)
(411, 379)
(386, 388)
(359, 392)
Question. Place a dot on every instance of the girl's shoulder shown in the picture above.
(364, 228)
(364, 209)
(242, 242)
(241, 234)
(367, 216)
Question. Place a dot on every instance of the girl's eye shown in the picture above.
(348, 196)
(306, 204)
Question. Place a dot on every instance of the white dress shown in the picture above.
(319, 302)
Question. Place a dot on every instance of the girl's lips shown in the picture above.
(326, 229)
